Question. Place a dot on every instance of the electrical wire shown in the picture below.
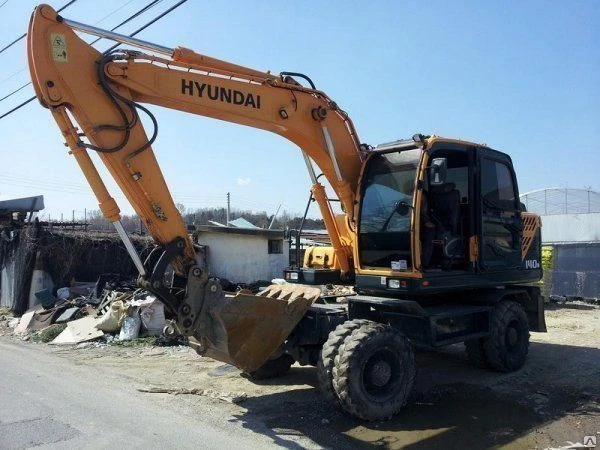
(130, 18)
(22, 69)
(17, 107)
(112, 55)
(114, 11)
(15, 91)
(6, 47)
(160, 16)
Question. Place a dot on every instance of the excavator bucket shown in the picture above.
(246, 329)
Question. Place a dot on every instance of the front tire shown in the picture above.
(374, 372)
(507, 345)
(327, 357)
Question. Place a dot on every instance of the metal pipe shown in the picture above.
(89, 29)
(331, 150)
(130, 248)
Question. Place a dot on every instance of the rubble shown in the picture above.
(111, 308)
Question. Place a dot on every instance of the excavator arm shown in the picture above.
(103, 94)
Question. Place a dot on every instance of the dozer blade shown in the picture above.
(245, 329)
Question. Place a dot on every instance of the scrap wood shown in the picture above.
(228, 397)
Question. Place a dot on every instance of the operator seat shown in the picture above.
(445, 212)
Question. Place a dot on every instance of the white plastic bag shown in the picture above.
(131, 326)
(112, 320)
(152, 313)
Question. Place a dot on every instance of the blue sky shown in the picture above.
(522, 77)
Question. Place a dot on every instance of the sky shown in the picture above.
(521, 77)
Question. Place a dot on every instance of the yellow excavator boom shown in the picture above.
(96, 99)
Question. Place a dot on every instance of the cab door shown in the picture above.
(501, 226)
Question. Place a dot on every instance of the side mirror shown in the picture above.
(437, 171)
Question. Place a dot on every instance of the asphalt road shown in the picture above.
(51, 402)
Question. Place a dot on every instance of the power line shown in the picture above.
(133, 16)
(3, 3)
(25, 34)
(114, 11)
(96, 23)
(160, 16)
(15, 91)
(157, 18)
(141, 11)
(22, 69)
(17, 107)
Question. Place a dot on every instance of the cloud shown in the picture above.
(243, 181)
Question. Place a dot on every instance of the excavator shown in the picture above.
(432, 235)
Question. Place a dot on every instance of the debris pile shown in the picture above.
(33, 253)
(111, 310)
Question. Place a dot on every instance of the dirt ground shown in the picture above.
(552, 402)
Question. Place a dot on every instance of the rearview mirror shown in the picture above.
(437, 171)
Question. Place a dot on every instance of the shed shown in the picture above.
(244, 255)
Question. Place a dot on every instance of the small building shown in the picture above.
(243, 255)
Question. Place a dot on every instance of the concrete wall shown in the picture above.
(243, 258)
(571, 228)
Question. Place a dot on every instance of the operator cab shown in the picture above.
(437, 213)
(442, 214)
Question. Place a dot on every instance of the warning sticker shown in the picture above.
(59, 47)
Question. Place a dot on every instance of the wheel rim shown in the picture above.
(381, 373)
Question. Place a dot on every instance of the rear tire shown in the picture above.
(507, 346)
(273, 368)
(374, 372)
(327, 357)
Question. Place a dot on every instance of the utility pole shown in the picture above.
(274, 215)
(228, 207)
(73, 220)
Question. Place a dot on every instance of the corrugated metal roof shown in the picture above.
(242, 223)
(25, 204)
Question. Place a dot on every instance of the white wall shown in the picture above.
(242, 258)
(571, 228)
